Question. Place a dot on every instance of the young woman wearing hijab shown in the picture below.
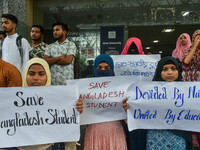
(191, 60)
(168, 70)
(133, 46)
(107, 135)
(191, 70)
(37, 73)
(183, 43)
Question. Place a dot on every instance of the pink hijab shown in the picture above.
(137, 42)
(179, 50)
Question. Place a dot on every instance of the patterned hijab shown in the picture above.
(179, 50)
(197, 32)
(137, 42)
(45, 65)
(162, 63)
(195, 61)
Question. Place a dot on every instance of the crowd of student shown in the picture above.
(184, 65)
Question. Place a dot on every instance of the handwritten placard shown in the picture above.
(164, 105)
(135, 65)
(102, 98)
(38, 115)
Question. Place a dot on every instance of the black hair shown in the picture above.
(35, 64)
(64, 26)
(10, 17)
(38, 26)
(4, 33)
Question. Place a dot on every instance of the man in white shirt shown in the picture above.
(10, 50)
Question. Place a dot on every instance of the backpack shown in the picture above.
(19, 45)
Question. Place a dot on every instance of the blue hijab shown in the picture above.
(103, 73)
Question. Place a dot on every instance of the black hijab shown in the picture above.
(165, 61)
(187, 135)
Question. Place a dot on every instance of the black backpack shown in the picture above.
(19, 45)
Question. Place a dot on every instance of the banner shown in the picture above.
(164, 105)
(38, 115)
(111, 39)
(142, 66)
(102, 98)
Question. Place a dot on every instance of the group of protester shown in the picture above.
(60, 56)
(15, 63)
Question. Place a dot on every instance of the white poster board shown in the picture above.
(164, 105)
(102, 98)
(142, 66)
(38, 115)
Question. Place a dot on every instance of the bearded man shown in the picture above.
(10, 51)
(60, 55)
(38, 47)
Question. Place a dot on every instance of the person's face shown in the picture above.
(8, 25)
(58, 32)
(197, 38)
(133, 49)
(36, 34)
(169, 73)
(183, 40)
(1, 37)
(103, 66)
(36, 76)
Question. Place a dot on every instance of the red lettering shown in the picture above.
(95, 95)
(85, 96)
(115, 93)
(99, 85)
(91, 84)
(100, 105)
(115, 103)
(104, 105)
(106, 84)
(110, 94)
(92, 104)
(121, 93)
(104, 95)
(88, 105)
(109, 104)
(100, 96)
